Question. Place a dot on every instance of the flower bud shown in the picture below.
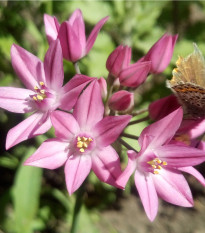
(121, 101)
(118, 60)
(135, 74)
(162, 107)
(103, 87)
(161, 53)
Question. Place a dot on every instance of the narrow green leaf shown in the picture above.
(26, 193)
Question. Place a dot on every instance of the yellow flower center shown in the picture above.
(41, 93)
(83, 143)
(157, 165)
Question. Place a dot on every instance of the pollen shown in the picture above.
(40, 92)
(156, 165)
(83, 143)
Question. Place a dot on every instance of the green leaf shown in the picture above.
(5, 45)
(90, 10)
(86, 221)
(26, 193)
(96, 59)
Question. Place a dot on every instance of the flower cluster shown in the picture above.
(85, 126)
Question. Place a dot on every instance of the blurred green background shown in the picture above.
(32, 200)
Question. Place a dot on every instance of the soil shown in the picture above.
(131, 218)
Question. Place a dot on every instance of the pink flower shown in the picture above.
(118, 64)
(44, 91)
(83, 142)
(103, 87)
(161, 53)
(118, 60)
(157, 167)
(72, 35)
(192, 128)
(162, 107)
(121, 101)
(51, 27)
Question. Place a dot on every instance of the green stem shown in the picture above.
(139, 121)
(127, 135)
(125, 144)
(110, 81)
(77, 208)
(77, 69)
(139, 112)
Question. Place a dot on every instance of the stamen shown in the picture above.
(39, 97)
(157, 164)
(83, 143)
(40, 92)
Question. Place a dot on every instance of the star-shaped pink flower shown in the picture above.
(157, 167)
(83, 141)
(44, 91)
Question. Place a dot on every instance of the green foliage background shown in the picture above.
(32, 200)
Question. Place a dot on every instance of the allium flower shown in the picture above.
(121, 101)
(103, 87)
(118, 60)
(44, 91)
(130, 75)
(162, 107)
(192, 128)
(72, 35)
(161, 53)
(51, 27)
(157, 166)
(83, 141)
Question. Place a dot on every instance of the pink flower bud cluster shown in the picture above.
(89, 114)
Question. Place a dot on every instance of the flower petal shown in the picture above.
(106, 165)
(89, 108)
(180, 156)
(65, 124)
(34, 125)
(27, 66)
(77, 169)
(194, 128)
(72, 91)
(121, 101)
(92, 37)
(131, 166)
(109, 129)
(16, 99)
(161, 53)
(78, 26)
(135, 74)
(118, 60)
(51, 154)
(70, 42)
(147, 193)
(53, 65)
(51, 27)
(192, 171)
(162, 107)
(161, 131)
(172, 187)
